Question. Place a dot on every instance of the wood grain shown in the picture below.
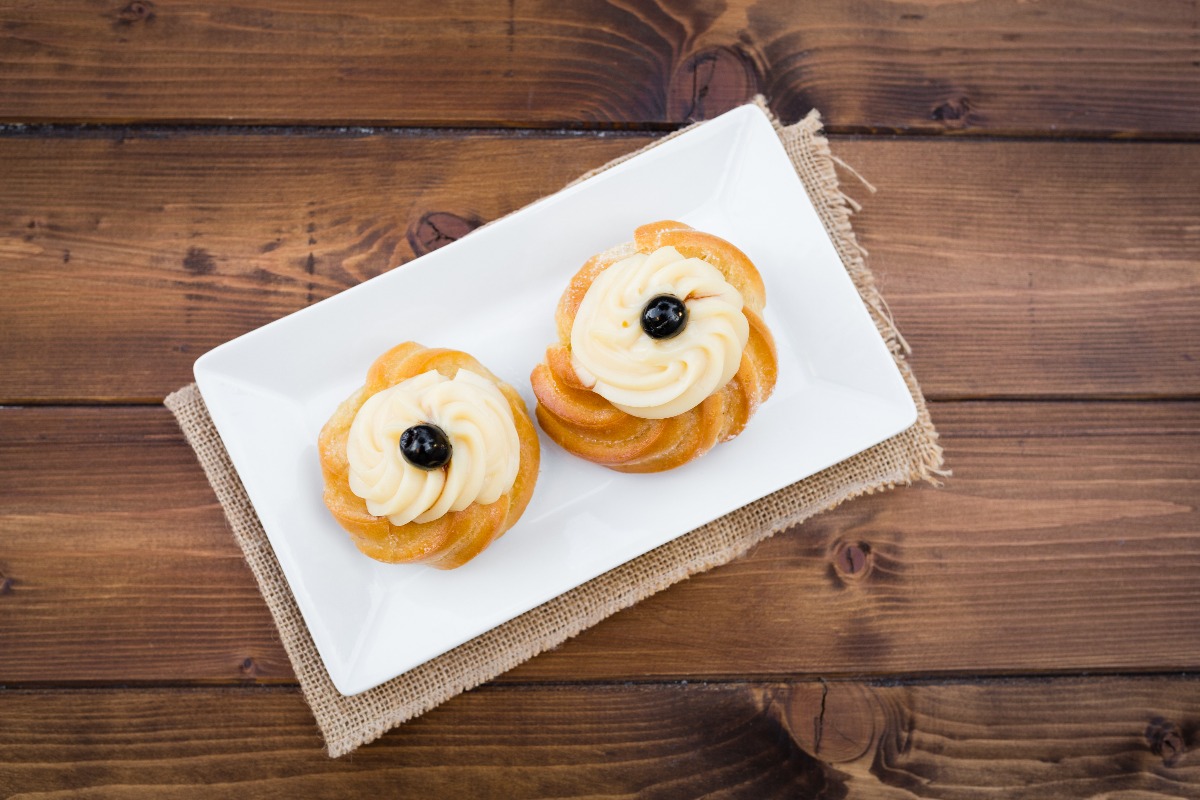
(1099, 67)
(113, 549)
(125, 259)
(1056, 738)
(1035, 270)
(1066, 541)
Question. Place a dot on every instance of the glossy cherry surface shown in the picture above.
(664, 316)
(425, 446)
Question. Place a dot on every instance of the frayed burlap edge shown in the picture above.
(348, 722)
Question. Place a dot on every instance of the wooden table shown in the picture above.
(174, 173)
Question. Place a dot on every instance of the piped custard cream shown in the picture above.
(656, 378)
(477, 420)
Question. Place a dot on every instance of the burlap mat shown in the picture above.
(347, 722)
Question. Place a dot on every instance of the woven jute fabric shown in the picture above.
(347, 722)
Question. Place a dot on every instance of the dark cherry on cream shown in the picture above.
(426, 446)
(664, 316)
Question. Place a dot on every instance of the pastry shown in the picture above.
(662, 351)
(431, 460)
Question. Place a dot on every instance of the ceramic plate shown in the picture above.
(493, 294)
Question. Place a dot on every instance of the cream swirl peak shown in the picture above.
(658, 378)
(477, 419)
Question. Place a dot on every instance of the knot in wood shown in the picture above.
(833, 722)
(954, 113)
(853, 560)
(1165, 740)
(710, 82)
(437, 229)
(137, 11)
(199, 261)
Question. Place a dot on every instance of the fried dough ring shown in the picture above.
(455, 538)
(585, 424)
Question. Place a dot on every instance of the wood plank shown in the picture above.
(1055, 738)
(113, 549)
(1038, 270)
(1095, 67)
(123, 260)
(1066, 541)
(1062, 528)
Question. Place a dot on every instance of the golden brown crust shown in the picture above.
(587, 425)
(455, 538)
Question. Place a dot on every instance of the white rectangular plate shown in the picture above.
(493, 294)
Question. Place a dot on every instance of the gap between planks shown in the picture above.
(559, 130)
(999, 678)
